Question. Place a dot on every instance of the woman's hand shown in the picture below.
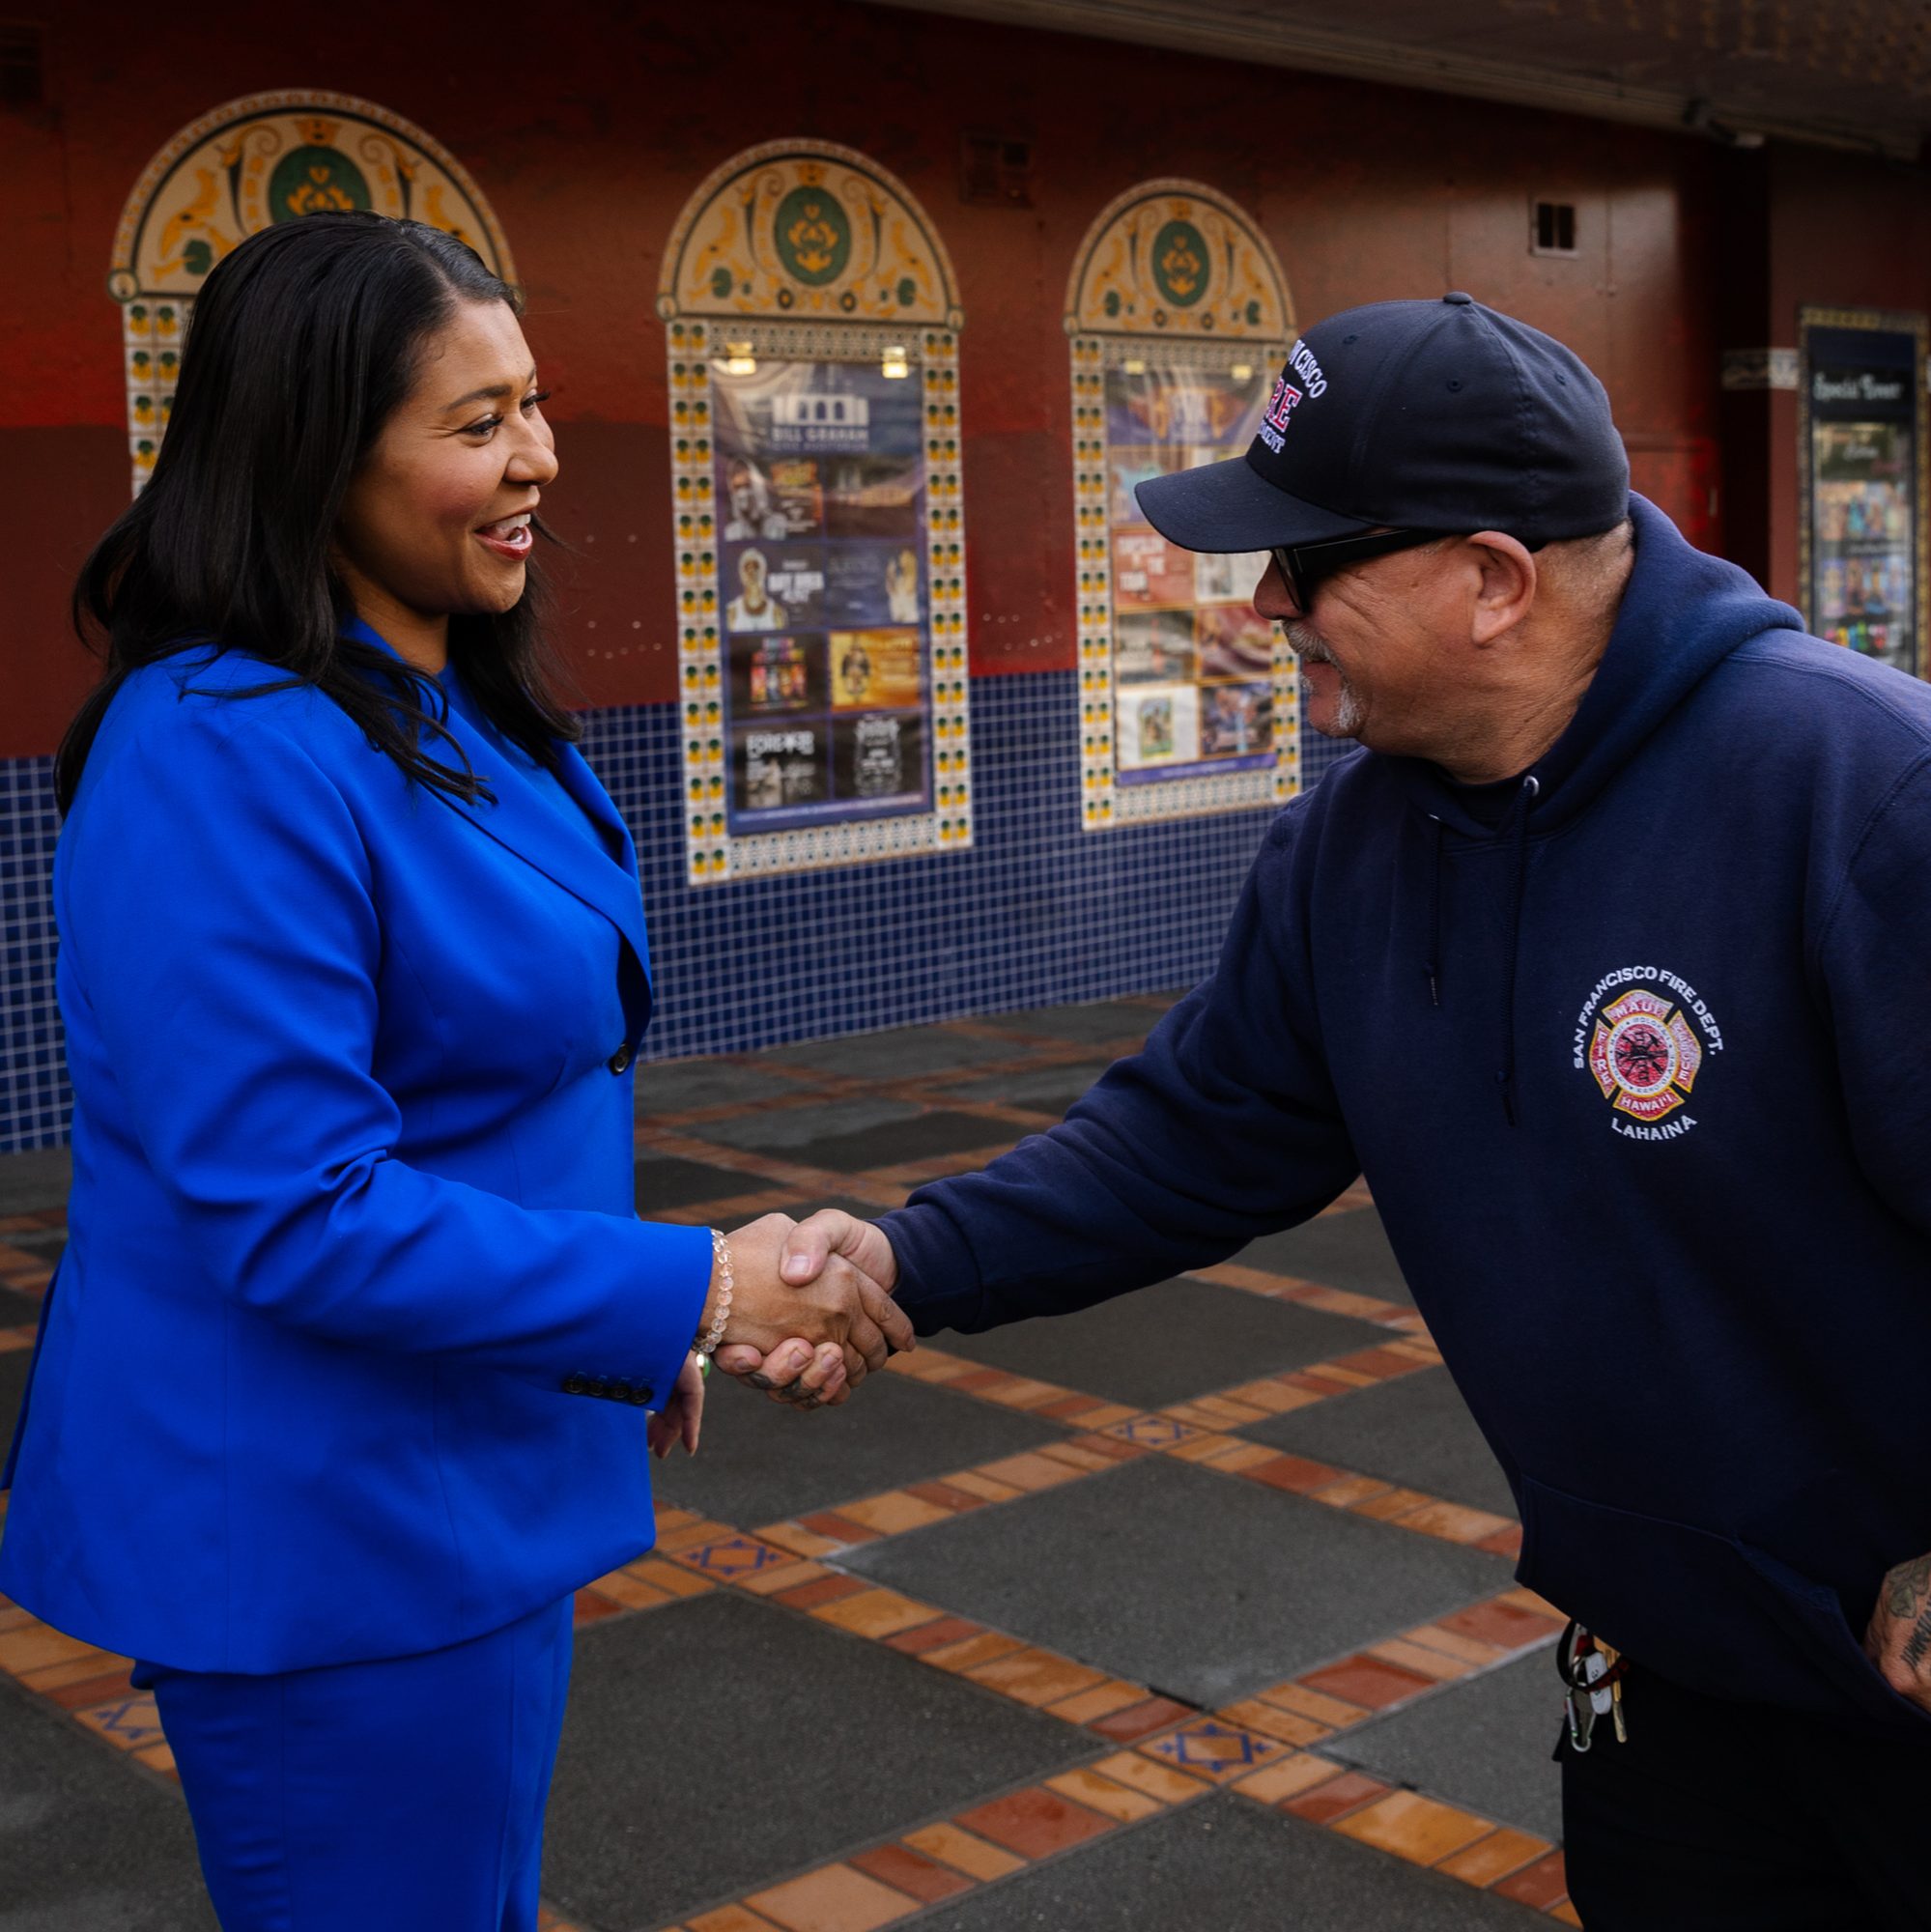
(682, 1417)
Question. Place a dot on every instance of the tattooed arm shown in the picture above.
(1899, 1638)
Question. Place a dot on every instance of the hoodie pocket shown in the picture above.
(1704, 1609)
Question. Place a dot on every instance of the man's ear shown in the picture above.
(1508, 586)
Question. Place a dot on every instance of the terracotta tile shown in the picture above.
(1335, 1799)
(1026, 1394)
(1210, 1748)
(1340, 1301)
(1150, 1432)
(894, 1513)
(1138, 1720)
(1156, 1779)
(159, 1757)
(1273, 1396)
(13, 1341)
(910, 1873)
(1414, 1827)
(1352, 1492)
(1383, 1363)
(127, 1722)
(622, 1588)
(1536, 1606)
(1566, 1914)
(947, 1496)
(1207, 1448)
(1035, 1822)
(667, 1577)
(36, 1644)
(731, 1918)
(731, 1560)
(958, 1658)
(88, 1665)
(1451, 1644)
(1393, 1504)
(1076, 1458)
(1275, 1783)
(934, 1635)
(1367, 1680)
(926, 1364)
(800, 1541)
(1504, 1543)
(1495, 1856)
(1209, 1413)
(1453, 1523)
(1294, 1474)
(1435, 1664)
(1105, 1414)
(1029, 1472)
(100, 1688)
(835, 1899)
(1286, 1725)
(963, 1851)
(1338, 1712)
(1118, 1802)
(875, 1613)
(589, 1605)
(1542, 1884)
(984, 1486)
(825, 1590)
(841, 1529)
(1317, 1385)
(1035, 1677)
(787, 1577)
(687, 1535)
(977, 1382)
(1103, 1700)
(1501, 1624)
(1071, 1407)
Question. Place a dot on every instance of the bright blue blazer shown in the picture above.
(348, 1350)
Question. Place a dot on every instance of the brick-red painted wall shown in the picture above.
(589, 125)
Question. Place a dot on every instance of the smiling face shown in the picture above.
(436, 523)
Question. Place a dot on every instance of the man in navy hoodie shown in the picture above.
(1605, 960)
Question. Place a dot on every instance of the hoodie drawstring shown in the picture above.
(1519, 871)
(1432, 966)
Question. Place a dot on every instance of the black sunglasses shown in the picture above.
(1305, 565)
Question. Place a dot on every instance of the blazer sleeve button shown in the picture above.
(575, 1386)
(619, 1062)
(643, 1395)
(619, 1390)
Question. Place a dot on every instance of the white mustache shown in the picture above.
(1307, 645)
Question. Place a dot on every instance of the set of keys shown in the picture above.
(1592, 1673)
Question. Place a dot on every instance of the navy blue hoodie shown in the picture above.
(1641, 1077)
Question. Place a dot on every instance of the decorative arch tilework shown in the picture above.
(1178, 312)
(805, 255)
(241, 168)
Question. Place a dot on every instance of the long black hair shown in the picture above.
(301, 345)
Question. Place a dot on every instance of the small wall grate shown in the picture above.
(995, 171)
(1553, 228)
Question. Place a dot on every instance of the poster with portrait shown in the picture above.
(1192, 658)
(820, 475)
(1863, 406)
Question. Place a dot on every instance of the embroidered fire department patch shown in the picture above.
(1644, 1036)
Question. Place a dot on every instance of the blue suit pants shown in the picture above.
(387, 1796)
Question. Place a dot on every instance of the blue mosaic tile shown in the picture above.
(1037, 913)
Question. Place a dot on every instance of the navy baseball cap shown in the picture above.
(1426, 416)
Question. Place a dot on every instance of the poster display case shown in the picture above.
(812, 329)
(1862, 545)
(1178, 317)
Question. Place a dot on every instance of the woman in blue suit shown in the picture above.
(345, 1384)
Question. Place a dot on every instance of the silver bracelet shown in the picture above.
(720, 1261)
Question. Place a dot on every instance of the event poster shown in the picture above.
(1193, 661)
(821, 504)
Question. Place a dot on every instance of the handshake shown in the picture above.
(811, 1313)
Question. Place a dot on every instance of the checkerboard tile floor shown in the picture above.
(1193, 1609)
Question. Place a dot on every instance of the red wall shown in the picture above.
(587, 131)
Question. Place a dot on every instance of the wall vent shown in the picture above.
(22, 70)
(1553, 228)
(995, 171)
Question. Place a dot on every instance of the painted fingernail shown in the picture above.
(758, 1380)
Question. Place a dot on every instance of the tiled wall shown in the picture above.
(1038, 912)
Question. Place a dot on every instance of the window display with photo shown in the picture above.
(1192, 658)
(821, 491)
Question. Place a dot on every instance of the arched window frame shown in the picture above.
(1121, 315)
(729, 291)
(209, 188)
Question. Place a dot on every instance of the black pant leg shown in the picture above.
(1707, 1820)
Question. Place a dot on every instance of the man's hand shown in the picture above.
(793, 1371)
(810, 1320)
(1899, 1638)
(681, 1419)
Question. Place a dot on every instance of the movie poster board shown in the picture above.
(1179, 318)
(1862, 544)
(247, 166)
(816, 466)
